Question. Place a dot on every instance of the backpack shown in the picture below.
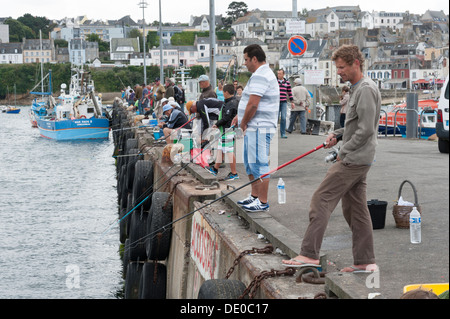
(178, 94)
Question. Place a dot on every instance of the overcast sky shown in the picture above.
(181, 10)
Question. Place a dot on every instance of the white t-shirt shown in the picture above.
(263, 83)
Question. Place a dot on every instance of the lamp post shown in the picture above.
(143, 6)
(161, 68)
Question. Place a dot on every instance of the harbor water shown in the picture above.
(56, 200)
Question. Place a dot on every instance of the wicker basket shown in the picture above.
(401, 213)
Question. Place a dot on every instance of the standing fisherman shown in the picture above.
(346, 179)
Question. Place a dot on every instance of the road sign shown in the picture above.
(297, 45)
(314, 77)
(295, 26)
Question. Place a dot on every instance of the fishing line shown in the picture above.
(151, 190)
(164, 228)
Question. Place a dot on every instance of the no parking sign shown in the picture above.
(297, 45)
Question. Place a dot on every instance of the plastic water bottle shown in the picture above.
(415, 226)
(281, 192)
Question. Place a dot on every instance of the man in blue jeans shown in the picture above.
(258, 117)
(285, 95)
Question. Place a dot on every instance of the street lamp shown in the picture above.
(143, 6)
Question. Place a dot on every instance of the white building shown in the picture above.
(202, 22)
(175, 56)
(391, 20)
(120, 49)
(4, 33)
(367, 20)
(82, 52)
(11, 53)
(262, 25)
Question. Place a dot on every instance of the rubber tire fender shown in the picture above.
(221, 289)
(132, 280)
(138, 230)
(160, 215)
(143, 183)
(153, 283)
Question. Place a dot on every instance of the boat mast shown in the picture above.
(42, 65)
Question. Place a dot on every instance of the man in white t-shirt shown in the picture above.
(257, 117)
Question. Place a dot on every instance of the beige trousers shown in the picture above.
(346, 182)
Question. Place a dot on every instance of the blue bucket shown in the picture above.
(156, 135)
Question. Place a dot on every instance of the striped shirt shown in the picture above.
(285, 90)
(263, 83)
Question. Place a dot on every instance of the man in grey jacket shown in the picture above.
(346, 179)
(301, 102)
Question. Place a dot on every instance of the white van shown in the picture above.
(442, 122)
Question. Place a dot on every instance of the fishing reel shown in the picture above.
(332, 155)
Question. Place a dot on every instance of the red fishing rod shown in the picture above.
(167, 227)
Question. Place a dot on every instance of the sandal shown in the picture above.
(300, 264)
(367, 270)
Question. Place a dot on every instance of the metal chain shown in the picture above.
(266, 250)
(256, 283)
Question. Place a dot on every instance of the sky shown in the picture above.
(180, 10)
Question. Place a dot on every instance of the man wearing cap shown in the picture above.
(302, 100)
(207, 109)
(176, 119)
(207, 89)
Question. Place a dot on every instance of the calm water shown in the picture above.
(56, 199)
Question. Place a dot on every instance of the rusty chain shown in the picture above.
(266, 250)
(256, 283)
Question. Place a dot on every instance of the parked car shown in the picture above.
(443, 117)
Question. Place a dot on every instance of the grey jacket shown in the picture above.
(361, 124)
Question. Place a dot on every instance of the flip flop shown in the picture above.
(300, 264)
(369, 269)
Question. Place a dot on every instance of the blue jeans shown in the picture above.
(283, 111)
(257, 150)
(293, 118)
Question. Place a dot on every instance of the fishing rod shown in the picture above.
(151, 191)
(167, 227)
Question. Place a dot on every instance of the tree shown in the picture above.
(102, 45)
(36, 24)
(237, 10)
(18, 31)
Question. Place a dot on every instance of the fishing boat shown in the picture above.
(12, 110)
(43, 102)
(396, 119)
(9, 109)
(78, 115)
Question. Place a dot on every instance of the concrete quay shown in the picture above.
(205, 245)
(401, 263)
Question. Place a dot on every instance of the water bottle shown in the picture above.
(281, 192)
(415, 226)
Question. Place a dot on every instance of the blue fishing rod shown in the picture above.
(151, 191)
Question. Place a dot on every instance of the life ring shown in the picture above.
(82, 117)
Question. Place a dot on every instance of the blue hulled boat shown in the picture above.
(78, 115)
